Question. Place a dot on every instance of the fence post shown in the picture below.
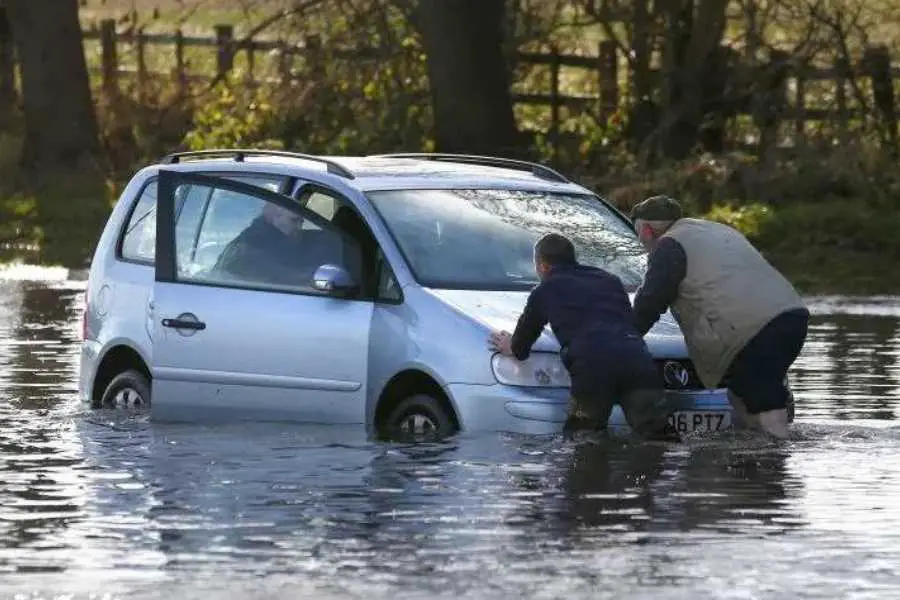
(773, 102)
(877, 61)
(609, 79)
(842, 70)
(800, 104)
(7, 68)
(554, 101)
(312, 47)
(180, 78)
(108, 56)
(285, 63)
(140, 46)
(250, 49)
(225, 46)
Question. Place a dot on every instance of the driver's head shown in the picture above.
(552, 250)
(286, 221)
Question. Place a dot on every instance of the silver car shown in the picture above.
(264, 285)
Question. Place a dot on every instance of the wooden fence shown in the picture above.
(875, 65)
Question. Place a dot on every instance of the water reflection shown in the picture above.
(272, 500)
(849, 368)
(41, 494)
(653, 489)
(94, 500)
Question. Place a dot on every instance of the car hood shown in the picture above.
(501, 310)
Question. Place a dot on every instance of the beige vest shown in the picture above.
(729, 294)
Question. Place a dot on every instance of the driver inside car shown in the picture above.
(273, 249)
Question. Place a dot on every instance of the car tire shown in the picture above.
(129, 390)
(419, 418)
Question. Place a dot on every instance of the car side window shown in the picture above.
(139, 237)
(376, 277)
(388, 288)
(188, 218)
(245, 241)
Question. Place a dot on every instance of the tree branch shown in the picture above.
(259, 28)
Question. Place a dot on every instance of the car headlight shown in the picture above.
(541, 369)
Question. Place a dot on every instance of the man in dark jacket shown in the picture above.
(591, 316)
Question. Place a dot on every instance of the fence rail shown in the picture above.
(226, 39)
(875, 66)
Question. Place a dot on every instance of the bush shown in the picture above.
(751, 219)
(235, 116)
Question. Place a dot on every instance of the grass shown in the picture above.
(821, 271)
(826, 219)
(168, 14)
(824, 247)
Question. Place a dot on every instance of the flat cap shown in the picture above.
(656, 208)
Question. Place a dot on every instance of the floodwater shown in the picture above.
(104, 506)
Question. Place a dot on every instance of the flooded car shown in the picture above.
(263, 285)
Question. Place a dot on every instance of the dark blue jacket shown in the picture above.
(591, 316)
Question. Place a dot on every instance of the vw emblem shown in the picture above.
(675, 374)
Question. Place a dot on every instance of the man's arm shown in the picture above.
(666, 269)
(531, 324)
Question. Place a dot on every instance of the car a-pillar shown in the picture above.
(122, 381)
(413, 407)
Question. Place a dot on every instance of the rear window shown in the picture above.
(139, 239)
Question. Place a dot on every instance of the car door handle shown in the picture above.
(184, 324)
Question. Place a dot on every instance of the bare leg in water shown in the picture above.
(750, 421)
(773, 422)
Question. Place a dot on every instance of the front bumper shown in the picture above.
(506, 408)
(545, 410)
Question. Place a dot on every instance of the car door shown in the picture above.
(238, 330)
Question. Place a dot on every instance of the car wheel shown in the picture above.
(128, 390)
(420, 418)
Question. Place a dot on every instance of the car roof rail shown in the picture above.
(240, 154)
(536, 169)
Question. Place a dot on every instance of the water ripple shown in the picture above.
(95, 503)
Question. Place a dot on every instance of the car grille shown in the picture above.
(679, 374)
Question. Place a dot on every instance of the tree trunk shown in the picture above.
(7, 71)
(60, 125)
(61, 134)
(468, 76)
(641, 43)
(643, 118)
(695, 34)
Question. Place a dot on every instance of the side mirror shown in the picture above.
(334, 280)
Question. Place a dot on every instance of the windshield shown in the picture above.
(484, 239)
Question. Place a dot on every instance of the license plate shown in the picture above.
(689, 421)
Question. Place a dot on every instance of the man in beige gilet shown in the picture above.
(743, 322)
